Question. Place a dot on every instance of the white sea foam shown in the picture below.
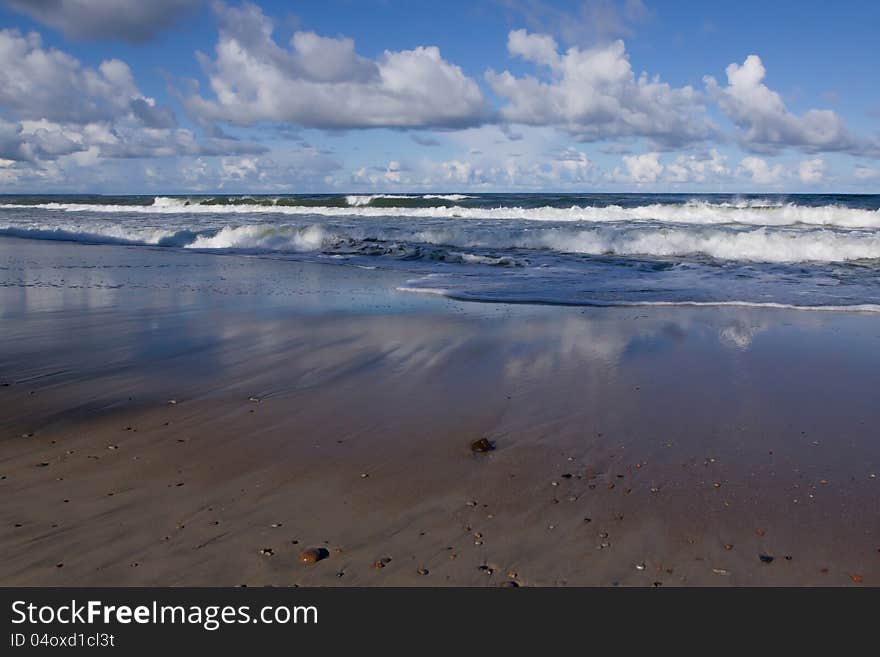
(358, 200)
(758, 245)
(161, 202)
(696, 212)
(267, 237)
(464, 295)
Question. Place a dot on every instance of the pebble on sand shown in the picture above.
(313, 555)
(482, 445)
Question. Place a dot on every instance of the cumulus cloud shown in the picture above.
(594, 94)
(698, 168)
(127, 20)
(484, 168)
(322, 82)
(62, 108)
(758, 171)
(767, 126)
(45, 83)
(812, 171)
(644, 168)
(34, 141)
(569, 167)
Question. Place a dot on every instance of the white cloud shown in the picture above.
(64, 108)
(32, 141)
(766, 125)
(862, 172)
(594, 94)
(127, 20)
(644, 168)
(45, 83)
(486, 160)
(812, 171)
(758, 171)
(322, 82)
(697, 168)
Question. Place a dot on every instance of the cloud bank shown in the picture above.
(556, 116)
(135, 21)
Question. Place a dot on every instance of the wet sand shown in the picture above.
(194, 419)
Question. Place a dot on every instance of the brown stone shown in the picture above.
(313, 555)
(482, 445)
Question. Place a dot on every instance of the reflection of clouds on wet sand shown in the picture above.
(324, 323)
(564, 343)
(740, 334)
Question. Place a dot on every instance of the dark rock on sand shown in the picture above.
(313, 555)
(482, 445)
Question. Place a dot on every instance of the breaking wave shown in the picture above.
(625, 249)
(749, 213)
(785, 245)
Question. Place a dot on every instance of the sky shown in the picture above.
(198, 96)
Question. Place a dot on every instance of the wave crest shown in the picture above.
(695, 212)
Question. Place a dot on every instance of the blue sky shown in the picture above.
(123, 96)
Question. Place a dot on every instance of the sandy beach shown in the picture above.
(195, 419)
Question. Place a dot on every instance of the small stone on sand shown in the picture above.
(482, 445)
(313, 555)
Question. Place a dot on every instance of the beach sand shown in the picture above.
(176, 418)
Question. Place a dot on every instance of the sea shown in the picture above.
(813, 251)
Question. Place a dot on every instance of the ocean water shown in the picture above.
(807, 251)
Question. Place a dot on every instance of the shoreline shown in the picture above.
(647, 408)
